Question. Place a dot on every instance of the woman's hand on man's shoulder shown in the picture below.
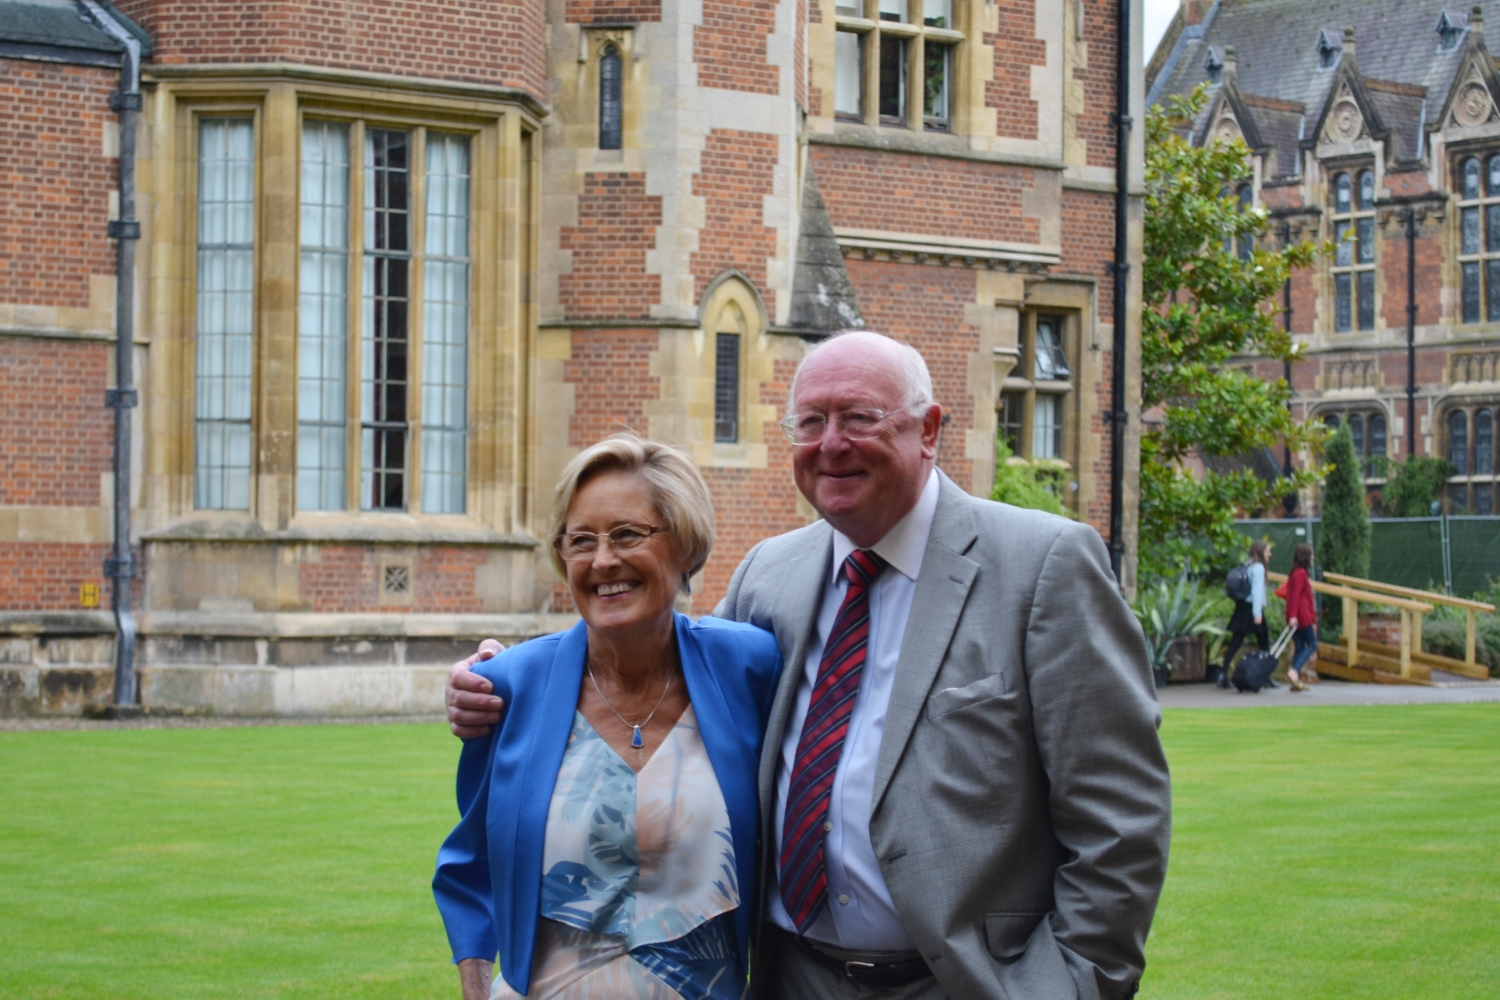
(473, 707)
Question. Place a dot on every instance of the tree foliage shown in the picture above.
(1413, 486)
(1034, 485)
(1203, 306)
(1344, 536)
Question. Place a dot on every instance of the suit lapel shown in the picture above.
(942, 590)
(795, 619)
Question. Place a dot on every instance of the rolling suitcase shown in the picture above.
(1256, 667)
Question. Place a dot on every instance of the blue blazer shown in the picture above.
(489, 870)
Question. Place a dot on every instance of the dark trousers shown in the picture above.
(1237, 639)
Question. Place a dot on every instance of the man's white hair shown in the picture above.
(916, 380)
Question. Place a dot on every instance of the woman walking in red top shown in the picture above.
(1301, 616)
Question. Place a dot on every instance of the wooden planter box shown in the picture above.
(1187, 660)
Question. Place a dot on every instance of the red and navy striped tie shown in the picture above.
(804, 881)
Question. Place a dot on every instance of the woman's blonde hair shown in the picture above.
(678, 491)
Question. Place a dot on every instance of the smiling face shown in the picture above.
(863, 488)
(622, 592)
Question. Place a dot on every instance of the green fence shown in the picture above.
(1459, 555)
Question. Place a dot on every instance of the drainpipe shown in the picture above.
(1411, 333)
(1121, 269)
(119, 567)
(1286, 324)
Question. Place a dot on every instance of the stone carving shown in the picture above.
(1227, 130)
(1473, 106)
(1345, 123)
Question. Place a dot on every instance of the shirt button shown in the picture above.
(843, 899)
(827, 826)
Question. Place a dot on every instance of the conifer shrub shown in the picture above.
(1343, 543)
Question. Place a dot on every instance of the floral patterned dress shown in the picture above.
(639, 887)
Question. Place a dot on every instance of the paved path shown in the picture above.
(1329, 692)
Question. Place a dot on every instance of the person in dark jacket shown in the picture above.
(1249, 617)
(1301, 615)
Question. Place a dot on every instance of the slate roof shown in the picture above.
(1397, 47)
(60, 29)
(823, 300)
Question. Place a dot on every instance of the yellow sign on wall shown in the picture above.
(88, 595)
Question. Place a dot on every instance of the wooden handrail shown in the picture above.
(1411, 617)
(1368, 596)
(1419, 595)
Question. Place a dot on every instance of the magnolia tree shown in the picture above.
(1203, 306)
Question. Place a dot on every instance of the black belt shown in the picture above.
(880, 975)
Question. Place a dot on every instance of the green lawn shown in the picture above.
(1317, 852)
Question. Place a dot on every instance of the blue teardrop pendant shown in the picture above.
(636, 740)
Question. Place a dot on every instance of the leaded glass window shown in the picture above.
(1479, 239)
(323, 318)
(1354, 253)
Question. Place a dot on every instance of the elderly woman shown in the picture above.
(607, 841)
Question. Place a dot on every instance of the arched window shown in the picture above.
(1354, 256)
(1484, 443)
(1458, 441)
(1479, 240)
(611, 108)
(1357, 431)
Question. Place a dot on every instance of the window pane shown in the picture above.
(445, 326)
(1492, 229)
(1458, 498)
(1471, 178)
(1470, 222)
(1470, 292)
(1484, 443)
(611, 107)
(1367, 300)
(937, 63)
(222, 399)
(1377, 442)
(1357, 431)
(1366, 190)
(1342, 189)
(849, 8)
(322, 317)
(1493, 187)
(1012, 416)
(1458, 441)
(1484, 499)
(1343, 255)
(893, 10)
(1492, 289)
(386, 327)
(1366, 236)
(727, 387)
(1342, 307)
(849, 73)
(892, 77)
(1051, 360)
(937, 13)
(1046, 427)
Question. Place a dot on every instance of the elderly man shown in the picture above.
(963, 793)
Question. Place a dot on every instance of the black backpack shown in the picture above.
(1237, 585)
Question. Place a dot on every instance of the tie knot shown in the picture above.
(862, 567)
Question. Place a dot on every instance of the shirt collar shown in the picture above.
(903, 546)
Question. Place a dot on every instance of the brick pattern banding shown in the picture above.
(45, 576)
(730, 46)
(482, 41)
(55, 434)
(737, 174)
(55, 182)
(609, 12)
(617, 225)
(1017, 49)
(866, 189)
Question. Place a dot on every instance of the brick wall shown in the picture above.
(730, 46)
(924, 307)
(54, 182)
(346, 579)
(55, 434)
(487, 41)
(734, 180)
(637, 11)
(1088, 243)
(1095, 126)
(1429, 274)
(45, 576)
(617, 223)
(1017, 49)
(610, 371)
(866, 189)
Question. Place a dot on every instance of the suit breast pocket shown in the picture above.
(950, 700)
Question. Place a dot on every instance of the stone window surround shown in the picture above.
(499, 125)
(1367, 411)
(1470, 481)
(1358, 212)
(1026, 388)
(871, 27)
(1487, 203)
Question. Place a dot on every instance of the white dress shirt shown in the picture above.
(860, 915)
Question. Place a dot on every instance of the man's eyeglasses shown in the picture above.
(856, 425)
(583, 544)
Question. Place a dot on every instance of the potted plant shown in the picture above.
(1169, 613)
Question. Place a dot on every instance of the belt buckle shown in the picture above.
(849, 968)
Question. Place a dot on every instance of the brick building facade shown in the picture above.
(1379, 120)
(399, 262)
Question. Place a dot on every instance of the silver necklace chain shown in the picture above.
(635, 740)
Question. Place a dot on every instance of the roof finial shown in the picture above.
(1348, 45)
(1229, 67)
(1476, 18)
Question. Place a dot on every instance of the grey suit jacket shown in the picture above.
(1022, 803)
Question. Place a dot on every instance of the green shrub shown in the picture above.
(1448, 638)
(1168, 613)
(1414, 485)
(1344, 540)
(1034, 485)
